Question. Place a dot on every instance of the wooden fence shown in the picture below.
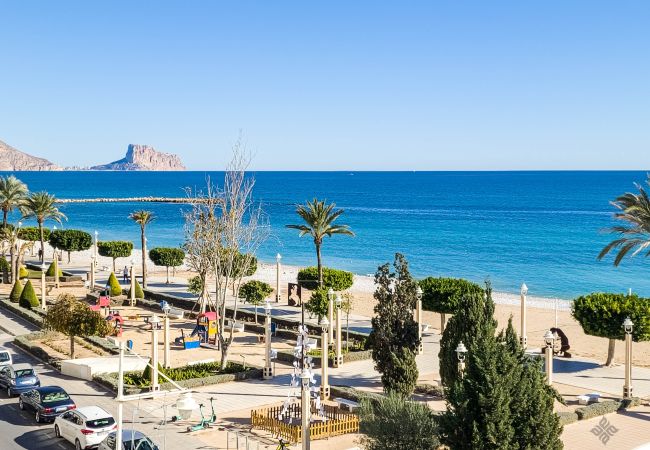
(335, 422)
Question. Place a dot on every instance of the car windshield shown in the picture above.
(100, 423)
(24, 373)
(55, 397)
(139, 444)
(4, 356)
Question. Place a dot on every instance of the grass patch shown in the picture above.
(141, 379)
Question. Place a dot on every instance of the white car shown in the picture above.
(85, 427)
(5, 358)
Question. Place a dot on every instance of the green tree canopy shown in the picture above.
(394, 336)
(602, 314)
(167, 257)
(115, 249)
(243, 265)
(318, 303)
(74, 318)
(70, 241)
(338, 280)
(32, 234)
(255, 292)
(13, 193)
(41, 206)
(442, 295)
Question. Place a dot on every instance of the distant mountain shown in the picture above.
(143, 157)
(12, 159)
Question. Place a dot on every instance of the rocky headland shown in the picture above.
(143, 157)
(12, 159)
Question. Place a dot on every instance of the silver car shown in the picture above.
(131, 440)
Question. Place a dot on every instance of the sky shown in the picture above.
(433, 85)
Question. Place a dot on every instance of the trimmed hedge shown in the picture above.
(25, 342)
(339, 280)
(442, 295)
(606, 407)
(567, 417)
(350, 393)
(34, 316)
(28, 298)
(114, 286)
(16, 291)
(430, 389)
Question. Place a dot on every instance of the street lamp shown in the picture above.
(338, 359)
(305, 400)
(627, 387)
(268, 368)
(461, 353)
(132, 282)
(185, 405)
(418, 318)
(330, 312)
(155, 323)
(278, 257)
(523, 339)
(324, 360)
(43, 294)
(95, 246)
(549, 340)
(167, 360)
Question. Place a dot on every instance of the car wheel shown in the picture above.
(37, 416)
(21, 405)
(8, 392)
(77, 444)
(57, 432)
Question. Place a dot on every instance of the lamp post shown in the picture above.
(268, 367)
(93, 262)
(43, 294)
(523, 339)
(418, 318)
(305, 400)
(549, 340)
(338, 359)
(53, 248)
(95, 249)
(278, 257)
(627, 388)
(155, 322)
(132, 283)
(330, 312)
(461, 353)
(167, 360)
(324, 360)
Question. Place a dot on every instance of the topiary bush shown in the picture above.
(318, 303)
(339, 280)
(442, 295)
(4, 264)
(139, 293)
(605, 407)
(16, 291)
(23, 272)
(167, 257)
(33, 234)
(70, 240)
(28, 298)
(114, 285)
(115, 249)
(54, 265)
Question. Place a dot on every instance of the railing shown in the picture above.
(336, 422)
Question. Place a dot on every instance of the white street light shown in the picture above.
(418, 318)
(132, 296)
(43, 294)
(278, 257)
(338, 359)
(268, 367)
(523, 338)
(628, 327)
(324, 360)
(549, 340)
(185, 405)
(461, 353)
(330, 312)
(305, 400)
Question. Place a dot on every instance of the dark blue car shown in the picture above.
(18, 378)
(47, 402)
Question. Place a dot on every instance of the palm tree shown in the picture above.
(319, 219)
(12, 195)
(635, 234)
(41, 206)
(143, 218)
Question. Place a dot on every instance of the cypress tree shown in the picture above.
(16, 291)
(114, 285)
(28, 298)
(394, 335)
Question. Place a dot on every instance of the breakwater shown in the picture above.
(131, 200)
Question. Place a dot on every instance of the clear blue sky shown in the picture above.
(338, 86)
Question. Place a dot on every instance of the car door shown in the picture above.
(67, 425)
(4, 374)
(35, 400)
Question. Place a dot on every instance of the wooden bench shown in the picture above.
(350, 405)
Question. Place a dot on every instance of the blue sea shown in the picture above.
(542, 228)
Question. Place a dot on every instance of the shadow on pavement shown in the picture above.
(572, 366)
(42, 439)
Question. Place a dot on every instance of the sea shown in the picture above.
(539, 227)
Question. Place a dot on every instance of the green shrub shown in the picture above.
(167, 257)
(114, 285)
(605, 407)
(567, 417)
(255, 291)
(16, 291)
(32, 234)
(242, 265)
(203, 370)
(139, 293)
(318, 303)
(339, 280)
(28, 298)
(4, 264)
(115, 249)
(51, 270)
(442, 295)
(195, 285)
(70, 240)
(23, 272)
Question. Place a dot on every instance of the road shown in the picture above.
(19, 430)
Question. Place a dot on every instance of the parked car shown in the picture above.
(5, 358)
(85, 427)
(47, 402)
(18, 378)
(131, 440)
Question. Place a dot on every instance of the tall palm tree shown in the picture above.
(41, 206)
(12, 195)
(635, 234)
(143, 218)
(319, 222)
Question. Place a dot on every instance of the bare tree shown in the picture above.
(223, 231)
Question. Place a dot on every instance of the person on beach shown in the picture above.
(125, 274)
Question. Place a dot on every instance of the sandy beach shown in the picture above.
(540, 311)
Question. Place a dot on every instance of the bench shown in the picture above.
(237, 327)
(585, 399)
(425, 327)
(175, 313)
(350, 405)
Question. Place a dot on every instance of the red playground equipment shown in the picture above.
(206, 327)
(116, 322)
